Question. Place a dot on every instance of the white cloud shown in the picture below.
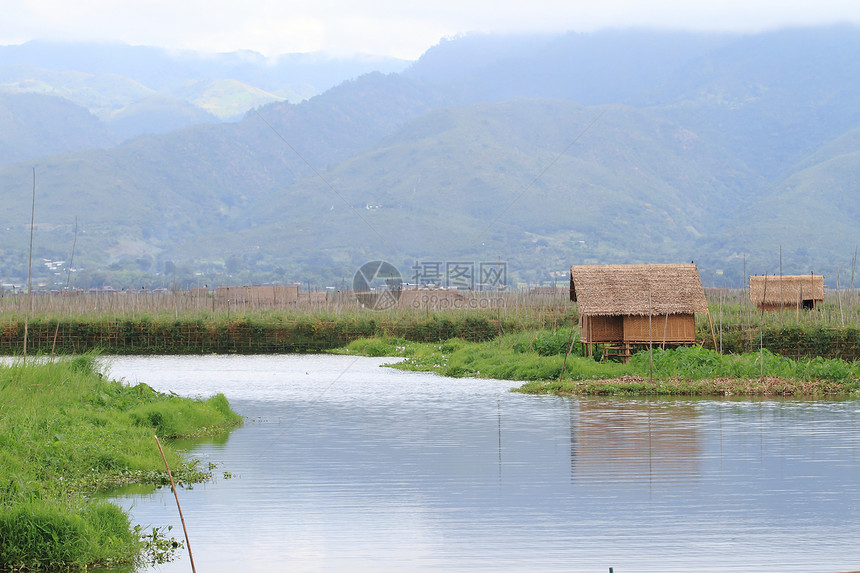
(400, 28)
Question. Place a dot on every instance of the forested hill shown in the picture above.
(618, 146)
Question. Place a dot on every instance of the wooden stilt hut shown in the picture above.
(774, 292)
(622, 306)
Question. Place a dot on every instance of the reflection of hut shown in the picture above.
(787, 291)
(625, 305)
(611, 441)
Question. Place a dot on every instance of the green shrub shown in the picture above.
(371, 347)
(40, 534)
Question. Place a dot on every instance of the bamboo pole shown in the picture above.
(722, 297)
(68, 280)
(761, 329)
(665, 329)
(569, 349)
(853, 264)
(650, 342)
(711, 325)
(799, 302)
(781, 300)
(175, 495)
(30, 268)
(839, 298)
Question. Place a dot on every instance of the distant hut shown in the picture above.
(626, 305)
(772, 293)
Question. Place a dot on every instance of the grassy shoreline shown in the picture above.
(541, 361)
(66, 433)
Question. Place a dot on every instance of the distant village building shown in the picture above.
(621, 306)
(773, 293)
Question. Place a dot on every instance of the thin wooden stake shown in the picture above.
(68, 280)
(713, 335)
(853, 264)
(761, 328)
(665, 330)
(839, 298)
(781, 300)
(650, 341)
(567, 353)
(722, 294)
(30, 268)
(175, 495)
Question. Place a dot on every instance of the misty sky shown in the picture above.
(401, 28)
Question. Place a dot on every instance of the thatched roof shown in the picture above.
(786, 289)
(625, 289)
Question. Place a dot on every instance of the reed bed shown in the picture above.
(832, 330)
(175, 323)
(185, 322)
(514, 305)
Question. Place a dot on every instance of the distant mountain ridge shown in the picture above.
(612, 147)
(33, 125)
(139, 89)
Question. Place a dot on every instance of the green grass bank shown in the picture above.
(540, 359)
(67, 432)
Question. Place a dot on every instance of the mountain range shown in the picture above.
(740, 152)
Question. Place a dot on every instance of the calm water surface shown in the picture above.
(345, 466)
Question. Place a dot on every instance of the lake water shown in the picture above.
(345, 466)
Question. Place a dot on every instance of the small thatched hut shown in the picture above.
(625, 305)
(787, 291)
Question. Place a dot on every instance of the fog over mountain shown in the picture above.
(140, 89)
(737, 151)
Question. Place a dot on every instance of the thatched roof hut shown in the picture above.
(625, 305)
(637, 290)
(771, 292)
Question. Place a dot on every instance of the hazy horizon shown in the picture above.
(384, 28)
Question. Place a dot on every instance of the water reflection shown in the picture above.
(634, 441)
(342, 465)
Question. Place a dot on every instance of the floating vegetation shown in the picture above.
(538, 358)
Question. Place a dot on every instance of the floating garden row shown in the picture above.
(245, 336)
